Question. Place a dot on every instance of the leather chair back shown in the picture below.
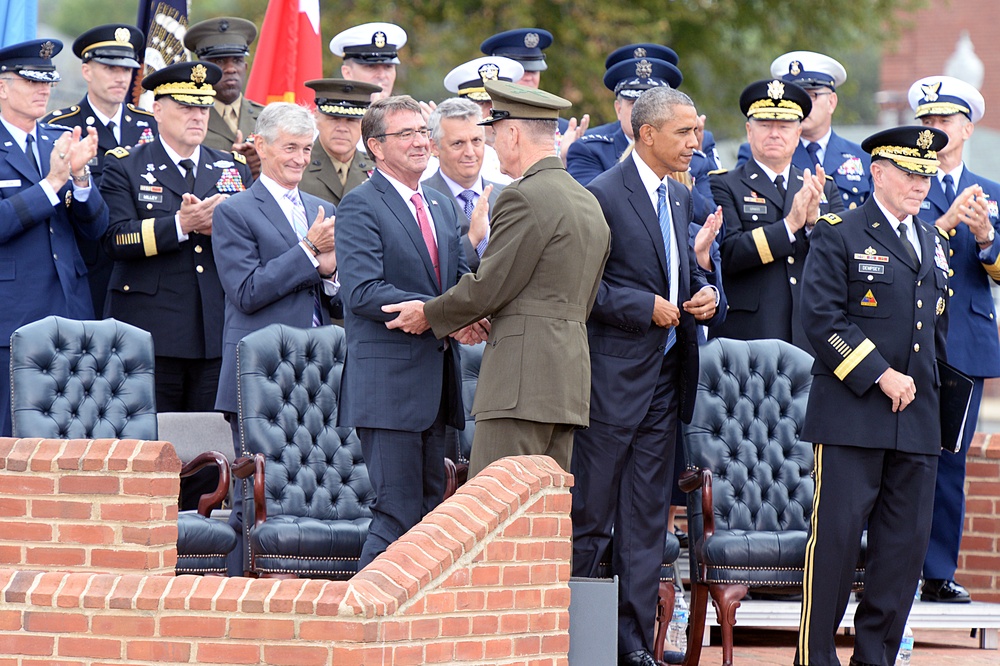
(748, 414)
(289, 392)
(82, 380)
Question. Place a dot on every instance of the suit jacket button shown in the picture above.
(125, 288)
(56, 257)
(661, 348)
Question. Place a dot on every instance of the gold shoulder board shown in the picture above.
(240, 157)
(133, 107)
(716, 172)
(119, 152)
(831, 218)
(944, 234)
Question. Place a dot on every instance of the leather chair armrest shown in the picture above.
(690, 480)
(212, 500)
(244, 468)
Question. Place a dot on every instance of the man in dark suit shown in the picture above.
(875, 307)
(398, 241)
(965, 205)
(459, 142)
(109, 57)
(225, 42)
(843, 160)
(337, 165)
(769, 207)
(644, 362)
(41, 269)
(274, 269)
(538, 280)
(161, 196)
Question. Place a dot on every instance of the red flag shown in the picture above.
(289, 53)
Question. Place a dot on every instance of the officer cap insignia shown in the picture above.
(639, 53)
(46, 50)
(775, 89)
(199, 73)
(123, 35)
(223, 25)
(931, 91)
(644, 69)
(925, 139)
(379, 39)
(795, 68)
(489, 72)
(833, 218)
(531, 40)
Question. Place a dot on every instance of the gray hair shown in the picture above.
(373, 123)
(453, 107)
(656, 106)
(540, 131)
(285, 117)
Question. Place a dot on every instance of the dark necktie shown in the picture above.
(949, 189)
(425, 231)
(813, 149)
(779, 184)
(907, 245)
(111, 128)
(188, 166)
(468, 198)
(663, 214)
(29, 150)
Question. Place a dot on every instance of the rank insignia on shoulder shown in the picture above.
(944, 234)
(240, 157)
(716, 172)
(119, 152)
(133, 107)
(829, 177)
(831, 218)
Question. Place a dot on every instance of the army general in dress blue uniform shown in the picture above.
(162, 195)
(41, 269)
(875, 308)
(965, 205)
(109, 57)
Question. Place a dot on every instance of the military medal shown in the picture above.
(230, 181)
(869, 300)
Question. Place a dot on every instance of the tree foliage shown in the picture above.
(723, 44)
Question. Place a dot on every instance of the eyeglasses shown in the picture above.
(813, 94)
(406, 135)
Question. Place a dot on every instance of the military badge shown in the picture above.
(69, 197)
(930, 91)
(146, 136)
(379, 39)
(639, 53)
(230, 181)
(852, 168)
(795, 68)
(939, 308)
(925, 139)
(991, 207)
(775, 89)
(46, 50)
(149, 178)
(869, 255)
(122, 36)
(199, 73)
(643, 69)
(531, 40)
(940, 260)
(489, 72)
(223, 164)
(869, 300)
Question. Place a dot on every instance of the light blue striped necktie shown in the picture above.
(663, 213)
(301, 227)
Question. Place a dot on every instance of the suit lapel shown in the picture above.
(927, 249)
(325, 172)
(644, 209)
(680, 220)
(395, 203)
(436, 211)
(272, 212)
(16, 157)
(935, 195)
(207, 176)
(45, 143)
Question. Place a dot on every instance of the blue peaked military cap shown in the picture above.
(524, 45)
(642, 51)
(629, 78)
(32, 60)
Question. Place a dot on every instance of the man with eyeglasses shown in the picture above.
(46, 196)
(769, 207)
(396, 241)
(843, 160)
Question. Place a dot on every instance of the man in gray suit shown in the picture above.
(274, 267)
(458, 141)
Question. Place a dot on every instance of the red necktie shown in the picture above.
(425, 231)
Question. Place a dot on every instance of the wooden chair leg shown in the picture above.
(664, 613)
(696, 622)
(727, 600)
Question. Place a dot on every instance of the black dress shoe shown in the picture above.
(947, 591)
(637, 658)
(860, 663)
(673, 657)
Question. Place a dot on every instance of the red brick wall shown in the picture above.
(79, 505)
(979, 557)
(483, 579)
(924, 48)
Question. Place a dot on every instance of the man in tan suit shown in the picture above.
(538, 280)
(337, 166)
(225, 41)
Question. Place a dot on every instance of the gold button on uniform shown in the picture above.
(125, 288)
(916, 347)
(920, 303)
(200, 269)
(197, 248)
(791, 260)
(920, 325)
(792, 280)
